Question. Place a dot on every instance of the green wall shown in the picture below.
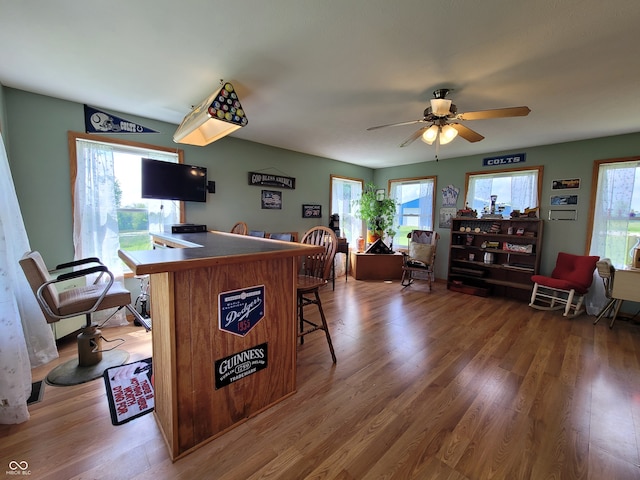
(36, 127)
(560, 161)
(39, 159)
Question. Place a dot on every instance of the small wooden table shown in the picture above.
(626, 286)
(376, 266)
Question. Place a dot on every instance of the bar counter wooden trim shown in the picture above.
(209, 249)
(185, 285)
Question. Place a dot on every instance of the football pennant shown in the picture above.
(97, 121)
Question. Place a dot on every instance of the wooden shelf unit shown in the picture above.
(509, 272)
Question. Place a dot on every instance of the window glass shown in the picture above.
(615, 226)
(416, 199)
(108, 211)
(513, 190)
(343, 193)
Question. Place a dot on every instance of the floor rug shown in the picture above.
(129, 390)
(37, 391)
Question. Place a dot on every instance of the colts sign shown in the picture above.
(240, 310)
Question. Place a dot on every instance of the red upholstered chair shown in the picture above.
(566, 287)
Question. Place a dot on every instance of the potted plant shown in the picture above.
(378, 212)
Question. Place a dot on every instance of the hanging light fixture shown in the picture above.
(440, 106)
(444, 134)
(430, 134)
(447, 133)
(215, 117)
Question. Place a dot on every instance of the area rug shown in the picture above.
(129, 390)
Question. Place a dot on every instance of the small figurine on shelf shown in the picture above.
(531, 212)
(467, 212)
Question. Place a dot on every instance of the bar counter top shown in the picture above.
(208, 249)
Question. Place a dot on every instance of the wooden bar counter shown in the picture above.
(256, 364)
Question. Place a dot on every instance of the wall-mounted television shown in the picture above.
(173, 181)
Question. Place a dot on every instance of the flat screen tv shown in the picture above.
(173, 181)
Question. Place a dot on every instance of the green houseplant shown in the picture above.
(378, 212)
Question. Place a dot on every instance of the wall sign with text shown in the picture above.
(504, 160)
(265, 180)
(240, 310)
(311, 211)
(240, 365)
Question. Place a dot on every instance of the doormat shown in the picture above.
(129, 390)
(37, 392)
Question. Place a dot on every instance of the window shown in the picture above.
(108, 211)
(343, 192)
(514, 189)
(615, 210)
(416, 201)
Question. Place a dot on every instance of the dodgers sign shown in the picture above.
(240, 310)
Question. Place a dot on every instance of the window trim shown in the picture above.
(595, 174)
(351, 179)
(73, 165)
(417, 180)
(73, 157)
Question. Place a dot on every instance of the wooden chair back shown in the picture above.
(240, 228)
(319, 265)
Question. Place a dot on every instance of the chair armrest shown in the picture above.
(76, 263)
(82, 261)
(83, 273)
(101, 269)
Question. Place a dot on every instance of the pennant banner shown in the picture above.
(97, 121)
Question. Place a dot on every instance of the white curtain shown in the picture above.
(95, 216)
(26, 341)
(343, 193)
(522, 191)
(611, 219)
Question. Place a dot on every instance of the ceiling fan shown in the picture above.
(442, 117)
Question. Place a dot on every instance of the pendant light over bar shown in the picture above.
(215, 117)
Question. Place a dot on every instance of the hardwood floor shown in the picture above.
(436, 385)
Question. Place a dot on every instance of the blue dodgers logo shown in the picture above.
(240, 310)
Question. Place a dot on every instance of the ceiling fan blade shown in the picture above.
(466, 133)
(410, 122)
(496, 113)
(413, 137)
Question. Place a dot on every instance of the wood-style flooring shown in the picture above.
(436, 385)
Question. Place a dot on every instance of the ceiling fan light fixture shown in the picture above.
(447, 134)
(440, 106)
(430, 134)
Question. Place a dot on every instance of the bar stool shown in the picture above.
(314, 274)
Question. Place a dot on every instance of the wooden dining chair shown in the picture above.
(240, 228)
(314, 274)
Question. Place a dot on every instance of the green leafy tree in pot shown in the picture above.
(377, 211)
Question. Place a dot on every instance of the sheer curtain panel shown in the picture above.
(95, 216)
(26, 340)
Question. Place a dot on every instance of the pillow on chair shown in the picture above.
(574, 271)
(420, 254)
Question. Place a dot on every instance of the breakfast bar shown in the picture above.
(223, 310)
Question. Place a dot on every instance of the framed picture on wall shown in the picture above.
(571, 183)
(271, 200)
(564, 200)
(311, 211)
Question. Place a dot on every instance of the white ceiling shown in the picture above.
(313, 75)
